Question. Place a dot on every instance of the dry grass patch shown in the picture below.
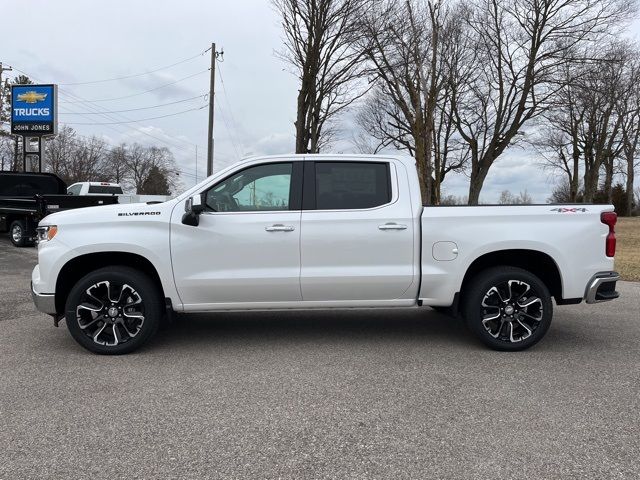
(628, 248)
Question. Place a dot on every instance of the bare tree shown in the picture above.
(145, 162)
(581, 129)
(508, 198)
(361, 138)
(59, 151)
(7, 157)
(561, 194)
(74, 158)
(453, 200)
(519, 49)
(88, 162)
(602, 88)
(115, 164)
(558, 140)
(524, 198)
(410, 45)
(319, 37)
(629, 110)
(138, 165)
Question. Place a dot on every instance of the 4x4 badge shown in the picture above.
(569, 210)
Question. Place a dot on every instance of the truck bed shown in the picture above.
(454, 237)
(51, 203)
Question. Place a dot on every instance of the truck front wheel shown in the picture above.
(18, 233)
(508, 308)
(113, 310)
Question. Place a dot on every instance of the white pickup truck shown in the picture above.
(319, 232)
(108, 189)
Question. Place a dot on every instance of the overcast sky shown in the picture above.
(75, 41)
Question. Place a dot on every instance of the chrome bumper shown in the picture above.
(45, 302)
(602, 287)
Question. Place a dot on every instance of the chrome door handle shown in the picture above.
(278, 227)
(392, 226)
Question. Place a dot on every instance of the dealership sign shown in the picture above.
(34, 109)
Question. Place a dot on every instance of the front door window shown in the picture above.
(255, 189)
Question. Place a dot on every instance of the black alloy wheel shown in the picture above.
(113, 310)
(508, 308)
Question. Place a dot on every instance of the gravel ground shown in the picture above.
(380, 394)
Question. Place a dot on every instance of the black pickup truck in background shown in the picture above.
(26, 198)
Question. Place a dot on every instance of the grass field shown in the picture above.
(628, 248)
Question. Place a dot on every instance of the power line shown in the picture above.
(124, 77)
(134, 109)
(226, 126)
(116, 116)
(97, 110)
(230, 110)
(139, 120)
(146, 91)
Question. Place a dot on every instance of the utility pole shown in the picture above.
(212, 92)
(2, 69)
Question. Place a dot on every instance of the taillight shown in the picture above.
(609, 219)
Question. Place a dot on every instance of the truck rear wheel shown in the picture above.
(113, 310)
(18, 233)
(508, 308)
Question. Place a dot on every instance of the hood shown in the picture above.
(109, 213)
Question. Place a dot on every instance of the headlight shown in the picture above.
(46, 233)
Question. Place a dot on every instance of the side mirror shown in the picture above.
(193, 207)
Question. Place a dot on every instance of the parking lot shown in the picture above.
(384, 394)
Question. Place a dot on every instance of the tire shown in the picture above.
(17, 233)
(508, 308)
(113, 310)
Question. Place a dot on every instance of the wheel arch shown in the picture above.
(538, 263)
(79, 266)
(14, 217)
(9, 218)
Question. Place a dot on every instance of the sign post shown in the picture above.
(34, 114)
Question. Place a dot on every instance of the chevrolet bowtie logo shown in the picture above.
(31, 97)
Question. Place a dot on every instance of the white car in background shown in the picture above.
(95, 188)
(108, 189)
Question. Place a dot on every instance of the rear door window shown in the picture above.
(351, 185)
